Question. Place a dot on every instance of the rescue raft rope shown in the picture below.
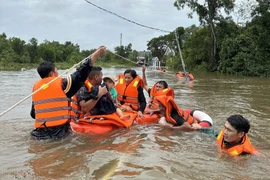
(122, 57)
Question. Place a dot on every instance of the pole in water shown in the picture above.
(180, 52)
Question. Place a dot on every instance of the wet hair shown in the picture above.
(95, 71)
(45, 68)
(132, 72)
(239, 123)
(163, 83)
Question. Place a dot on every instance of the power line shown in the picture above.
(149, 27)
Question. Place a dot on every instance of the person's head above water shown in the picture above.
(235, 128)
(129, 74)
(161, 85)
(109, 81)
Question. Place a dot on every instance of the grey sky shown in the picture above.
(79, 22)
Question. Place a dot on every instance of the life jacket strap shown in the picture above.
(55, 118)
(51, 100)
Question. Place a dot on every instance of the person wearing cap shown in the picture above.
(110, 82)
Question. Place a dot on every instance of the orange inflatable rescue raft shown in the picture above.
(147, 119)
(101, 124)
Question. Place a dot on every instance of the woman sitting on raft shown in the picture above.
(130, 92)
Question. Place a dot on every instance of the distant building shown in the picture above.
(155, 62)
(142, 55)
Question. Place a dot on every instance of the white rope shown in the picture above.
(122, 57)
(19, 102)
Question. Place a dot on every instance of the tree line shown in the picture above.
(219, 43)
(16, 50)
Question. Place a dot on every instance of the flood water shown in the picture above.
(142, 151)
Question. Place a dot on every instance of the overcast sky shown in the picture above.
(81, 23)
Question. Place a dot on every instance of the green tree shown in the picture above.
(46, 51)
(17, 45)
(209, 12)
(159, 45)
(123, 50)
(69, 49)
(248, 53)
(196, 49)
(133, 55)
(32, 48)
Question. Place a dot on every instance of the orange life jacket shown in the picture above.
(52, 107)
(128, 93)
(75, 104)
(191, 77)
(170, 104)
(153, 103)
(244, 147)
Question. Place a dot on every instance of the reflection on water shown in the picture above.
(140, 152)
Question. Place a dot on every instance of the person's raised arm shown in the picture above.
(73, 82)
(100, 51)
(142, 101)
(145, 85)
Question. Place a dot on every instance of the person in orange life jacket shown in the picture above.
(233, 137)
(51, 105)
(160, 85)
(171, 118)
(98, 101)
(189, 76)
(126, 86)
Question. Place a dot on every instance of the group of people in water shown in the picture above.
(82, 94)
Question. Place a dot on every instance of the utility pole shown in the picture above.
(121, 39)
